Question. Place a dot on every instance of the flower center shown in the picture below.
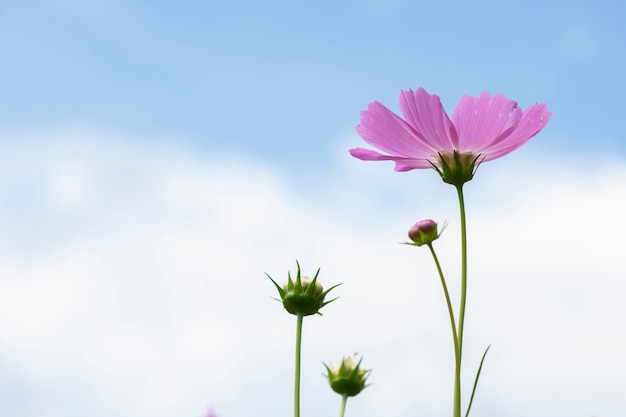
(455, 167)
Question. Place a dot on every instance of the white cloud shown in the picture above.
(132, 283)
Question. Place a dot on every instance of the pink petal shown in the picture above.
(381, 128)
(482, 121)
(427, 116)
(402, 163)
(532, 121)
(369, 155)
(402, 167)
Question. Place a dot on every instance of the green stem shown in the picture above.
(344, 400)
(457, 380)
(457, 357)
(296, 385)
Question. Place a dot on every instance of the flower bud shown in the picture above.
(304, 296)
(424, 232)
(305, 282)
(348, 378)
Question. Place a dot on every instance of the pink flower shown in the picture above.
(481, 129)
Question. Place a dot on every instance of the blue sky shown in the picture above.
(157, 158)
(282, 79)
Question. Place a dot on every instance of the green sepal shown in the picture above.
(456, 168)
(278, 287)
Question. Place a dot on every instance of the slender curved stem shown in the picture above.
(344, 400)
(457, 357)
(457, 382)
(296, 385)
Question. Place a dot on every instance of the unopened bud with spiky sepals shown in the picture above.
(457, 168)
(424, 232)
(348, 379)
(304, 296)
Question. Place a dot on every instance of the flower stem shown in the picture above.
(296, 385)
(344, 400)
(457, 356)
(457, 380)
(452, 321)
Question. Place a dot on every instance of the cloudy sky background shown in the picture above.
(157, 158)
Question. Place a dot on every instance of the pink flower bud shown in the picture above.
(423, 232)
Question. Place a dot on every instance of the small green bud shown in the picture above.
(348, 378)
(424, 232)
(304, 296)
(457, 168)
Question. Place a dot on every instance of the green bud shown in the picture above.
(304, 296)
(348, 378)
